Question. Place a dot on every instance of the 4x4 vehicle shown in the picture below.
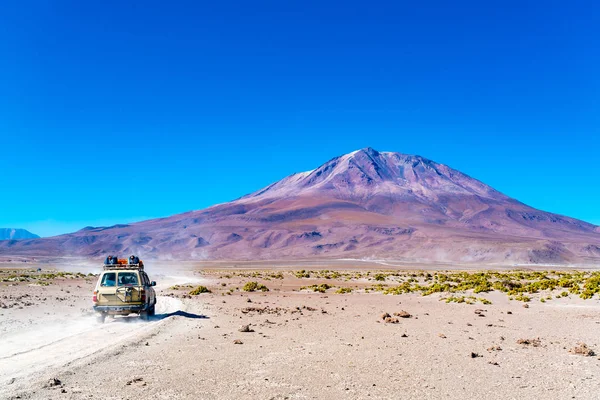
(124, 288)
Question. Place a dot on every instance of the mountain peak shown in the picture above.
(366, 150)
(16, 234)
(366, 172)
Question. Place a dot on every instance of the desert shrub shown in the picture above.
(329, 274)
(322, 288)
(200, 289)
(523, 298)
(344, 290)
(302, 274)
(254, 286)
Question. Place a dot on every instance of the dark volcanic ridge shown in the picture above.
(365, 204)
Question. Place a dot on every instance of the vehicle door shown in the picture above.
(129, 287)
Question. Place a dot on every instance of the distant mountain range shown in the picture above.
(365, 204)
(16, 234)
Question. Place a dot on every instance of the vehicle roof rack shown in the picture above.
(108, 267)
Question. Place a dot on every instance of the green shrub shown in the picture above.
(199, 290)
(322, 288)
(302, 274)
(254, 286)
(523, 298)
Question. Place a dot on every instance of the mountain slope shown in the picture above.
(16, 234)
(362, 204)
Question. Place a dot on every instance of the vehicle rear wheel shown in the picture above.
(144, 315)
(101, 317)
(151, 311)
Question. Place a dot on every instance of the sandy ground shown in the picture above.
(302, 344)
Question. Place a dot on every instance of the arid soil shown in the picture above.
(289, 342)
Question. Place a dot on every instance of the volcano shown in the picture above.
(365, 204)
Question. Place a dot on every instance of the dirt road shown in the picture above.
(59, 336)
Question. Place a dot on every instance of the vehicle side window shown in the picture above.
(109, 279)
(145, 279)
(128, 279)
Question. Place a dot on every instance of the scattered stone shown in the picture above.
(475, 355)
(525, 305)
(509, 312)
(246, 328)
(404, 335)
(238, 341)
(583, 350)
(442, 335)
(402, 314)
(493, 363)
(384, 316)
(54, 382)
(530, 342)
(265, 310)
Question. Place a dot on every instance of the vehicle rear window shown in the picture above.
(109, 279)
(128, 279)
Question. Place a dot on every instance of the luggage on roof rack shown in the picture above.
(110, 260)
(113, 262)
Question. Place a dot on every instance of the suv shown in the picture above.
(124, 288)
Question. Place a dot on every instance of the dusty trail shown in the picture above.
(50, 344)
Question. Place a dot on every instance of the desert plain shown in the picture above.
(304, 330)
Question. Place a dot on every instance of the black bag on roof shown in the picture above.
(134, 260)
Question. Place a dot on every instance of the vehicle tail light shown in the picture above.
(143, 295)
(95, 298)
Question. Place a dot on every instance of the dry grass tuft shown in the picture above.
(254, 286)
(199, 290)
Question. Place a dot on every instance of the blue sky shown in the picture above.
(180, 106)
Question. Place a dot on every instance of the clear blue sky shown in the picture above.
(182, 105)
